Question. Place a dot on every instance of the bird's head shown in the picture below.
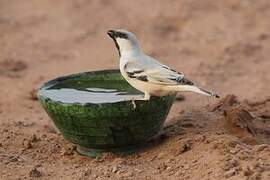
(125, 41)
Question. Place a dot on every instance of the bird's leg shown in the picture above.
(134, 104)
(145, 98)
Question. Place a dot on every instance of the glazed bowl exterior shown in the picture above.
(106, 126)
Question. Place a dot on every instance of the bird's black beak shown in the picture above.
(111, 33)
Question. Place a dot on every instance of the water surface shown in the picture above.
(90, 92)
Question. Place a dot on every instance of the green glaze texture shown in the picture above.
(108, 125)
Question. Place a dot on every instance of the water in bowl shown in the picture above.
(90, 92)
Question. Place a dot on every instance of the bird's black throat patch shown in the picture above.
(117, 46)
(117, 34)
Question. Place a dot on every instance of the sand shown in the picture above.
(223, 46)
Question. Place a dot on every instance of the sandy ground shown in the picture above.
(223, 45)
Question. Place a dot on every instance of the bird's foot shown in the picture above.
(133, 103)
(146, 97)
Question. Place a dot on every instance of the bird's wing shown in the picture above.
(156, 74)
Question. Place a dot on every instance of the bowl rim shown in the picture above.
(51, 82)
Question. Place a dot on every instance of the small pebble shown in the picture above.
(27, 144)
(234, 151)
(66, 151)
(184, 147)
(247, 171)
(160, 155)
(35, 173)
(115, 169)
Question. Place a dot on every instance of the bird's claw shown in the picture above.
(133, 103)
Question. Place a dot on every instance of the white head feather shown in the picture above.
(125, 41)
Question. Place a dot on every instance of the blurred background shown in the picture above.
(221, 45)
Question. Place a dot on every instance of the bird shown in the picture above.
(145, 73)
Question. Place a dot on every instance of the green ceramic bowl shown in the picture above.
(94, 111)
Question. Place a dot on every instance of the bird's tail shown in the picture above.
(193, 88)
